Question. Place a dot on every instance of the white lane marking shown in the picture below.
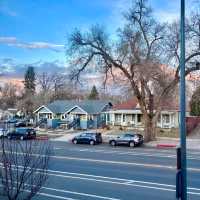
(80, 193)
(142, 150)
(112, 180)
(135, 153)
(123, 163)
(131, 184)
(114, 162)
(48, 195)
(109, 178)
(54, 196)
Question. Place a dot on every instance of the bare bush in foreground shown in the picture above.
(24, 167)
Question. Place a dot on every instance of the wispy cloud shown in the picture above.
(13, 41)
(8, 40)
(13, 68)
(7, 11)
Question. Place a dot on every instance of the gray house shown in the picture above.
(77, 114)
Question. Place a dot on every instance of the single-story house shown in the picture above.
(10, 113)
(128, 114)
(78, 114)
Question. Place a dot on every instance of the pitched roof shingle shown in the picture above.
(90, 106)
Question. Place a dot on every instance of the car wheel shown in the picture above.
(92, 142)
(131, 144)
(113, 143)
(75, 141)
(22, 138)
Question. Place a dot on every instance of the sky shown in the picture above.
(34, 32)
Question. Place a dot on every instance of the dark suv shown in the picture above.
(129, 139)
(22, 133)
(88, 138)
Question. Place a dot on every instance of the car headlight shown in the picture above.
(136, 138)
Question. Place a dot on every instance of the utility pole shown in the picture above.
(182, 183)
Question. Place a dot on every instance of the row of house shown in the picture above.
(78, 114)
(95, 113)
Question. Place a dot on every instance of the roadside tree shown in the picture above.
(143, 45)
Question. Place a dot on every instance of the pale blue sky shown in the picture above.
(35, 31)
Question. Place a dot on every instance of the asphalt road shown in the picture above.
(84, 172)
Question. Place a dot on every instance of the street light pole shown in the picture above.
(182, 105)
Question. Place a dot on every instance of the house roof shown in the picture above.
(89, 106)
(60, 106)
(132, 104)
(93, 106)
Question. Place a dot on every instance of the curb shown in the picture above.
(166, 145)
(42, 138)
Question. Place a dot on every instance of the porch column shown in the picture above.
(122, 115)
(136, 119)
(170, 120)
(113, 119)
(161, 120)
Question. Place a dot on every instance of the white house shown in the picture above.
(128, 114)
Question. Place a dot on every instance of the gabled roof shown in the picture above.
(60, 106)
(130, 104)
(93, 106)
(89, 106)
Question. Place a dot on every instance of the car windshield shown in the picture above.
(20, 130)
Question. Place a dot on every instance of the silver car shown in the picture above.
(129, 139)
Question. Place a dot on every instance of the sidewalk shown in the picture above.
(173, 143)
(161, 142)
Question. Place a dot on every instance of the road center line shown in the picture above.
(80, 193)
(114, 162)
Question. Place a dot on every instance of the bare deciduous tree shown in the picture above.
(143, 45)
(9, 95)
(44, 81)
(24, 167)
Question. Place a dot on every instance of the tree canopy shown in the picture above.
(195, 103)
(29, 80)
(142, 54)
(93, 94)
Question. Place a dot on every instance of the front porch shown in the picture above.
(124, 119)
(166, 120)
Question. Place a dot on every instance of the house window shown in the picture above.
(90, 117)
(49, 116)
(118, 117)
(108, 117)
(166, 118)
(124, 118)
(139, 118)
(133, 117)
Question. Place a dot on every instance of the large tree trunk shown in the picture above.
(150, 129)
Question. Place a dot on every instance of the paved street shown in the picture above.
(102, 172)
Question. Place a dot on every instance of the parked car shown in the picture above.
(3, 132)
(129, 139)
(88, 138)
(20, 124)
(22, 134)
(12, 120)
